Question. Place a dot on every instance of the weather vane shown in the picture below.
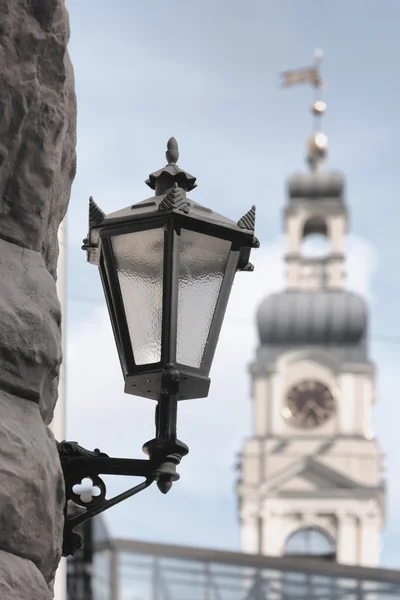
(318, 142)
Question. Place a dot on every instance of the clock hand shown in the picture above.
(317, 408)
(305, 410)
(307, 404)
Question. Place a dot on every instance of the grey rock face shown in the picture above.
(37, 124)
(21, 580)
(30, 317)
(31, 486)
(37, 167)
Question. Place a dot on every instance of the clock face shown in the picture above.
(309, 404)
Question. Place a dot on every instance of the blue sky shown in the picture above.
(207, 73)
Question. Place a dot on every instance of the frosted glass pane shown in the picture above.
(140, 257)
(202, 267)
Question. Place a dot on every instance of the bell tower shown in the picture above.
(310, 475)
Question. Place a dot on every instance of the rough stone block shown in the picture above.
(37, 124)
(31, 487)
(21, 580)
(30, 341)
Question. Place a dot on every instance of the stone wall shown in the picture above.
(37, 167)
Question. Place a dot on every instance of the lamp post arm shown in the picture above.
(84, 462)
(78, 464)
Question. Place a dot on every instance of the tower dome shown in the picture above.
(316, 185)
(321, 317)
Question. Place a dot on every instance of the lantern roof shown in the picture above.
(174, 200)
(173, 182)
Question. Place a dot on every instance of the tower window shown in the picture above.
(315, 225)
(310, 542)
(315, 238)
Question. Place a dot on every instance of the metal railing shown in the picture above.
(147, 571)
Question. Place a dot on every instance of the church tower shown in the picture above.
(310, 475)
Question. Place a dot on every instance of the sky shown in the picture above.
(208, 74)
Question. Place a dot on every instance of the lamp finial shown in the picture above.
(172, 153)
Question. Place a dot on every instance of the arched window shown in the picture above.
(310, 542)
(316, 243)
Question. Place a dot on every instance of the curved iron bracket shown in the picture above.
(78, 463)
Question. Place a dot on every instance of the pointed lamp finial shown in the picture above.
(248, 220)
(96, 215)
(162, 181)
(172, 153)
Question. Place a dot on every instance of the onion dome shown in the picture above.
(316, 185)
(324, 317)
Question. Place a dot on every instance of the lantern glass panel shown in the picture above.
(139, 259)
(203, 261)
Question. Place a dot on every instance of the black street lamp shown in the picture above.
(167, 266)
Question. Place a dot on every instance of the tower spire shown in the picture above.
(317, 145)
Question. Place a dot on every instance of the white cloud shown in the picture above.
(361, 264)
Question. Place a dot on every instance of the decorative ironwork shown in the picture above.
(96, 215)
(248, 221)
(79, 463)
(175, 199)
(162, 180)
(73, 449)
(244, 264)
(249, 267)
(165, 452)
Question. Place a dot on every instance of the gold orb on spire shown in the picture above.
(318, 143)
(321, 141)
(317, 149)
(318, 108)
